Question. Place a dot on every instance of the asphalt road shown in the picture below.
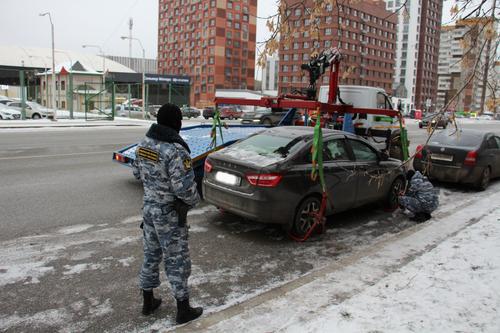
(71, 247)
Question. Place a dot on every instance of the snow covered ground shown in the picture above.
(440, 276)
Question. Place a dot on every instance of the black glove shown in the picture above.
(182, 210)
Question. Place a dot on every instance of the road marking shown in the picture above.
(60, 155)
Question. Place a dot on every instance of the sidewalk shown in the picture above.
(61, 123)
(439, 276)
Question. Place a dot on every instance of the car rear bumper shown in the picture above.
(256, 206)
(452, 174)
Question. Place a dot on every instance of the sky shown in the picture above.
(99, 22)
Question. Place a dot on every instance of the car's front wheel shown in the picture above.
(304, 216)
(392, 198)
(206, 118)
(35, 116)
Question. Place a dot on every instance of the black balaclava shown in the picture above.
(171, 116)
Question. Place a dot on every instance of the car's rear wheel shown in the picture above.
(304, 216)
(1, 118)
(35, 116)
(205, 117)
(392, 199)
(484, 180)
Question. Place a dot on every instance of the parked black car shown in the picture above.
(265, 116)
(466, 156)
(435, 119)
(266, 177)
(208, 112)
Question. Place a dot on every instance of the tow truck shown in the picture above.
(366, 111)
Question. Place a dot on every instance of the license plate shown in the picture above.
(442, 157)
(227, 178)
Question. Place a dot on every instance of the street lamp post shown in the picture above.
(143, 75)
(53, 66)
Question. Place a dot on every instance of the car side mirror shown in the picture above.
(383, 156)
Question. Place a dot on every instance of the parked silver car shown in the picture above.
(33, 110)
(7, 113)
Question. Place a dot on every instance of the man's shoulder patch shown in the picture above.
(187, 164)
(148, 154)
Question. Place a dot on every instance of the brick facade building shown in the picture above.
(212, 41)
(364, 32)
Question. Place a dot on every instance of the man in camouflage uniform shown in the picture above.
(421, 198)
(164, 166)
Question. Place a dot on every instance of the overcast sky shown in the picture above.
(100, 22)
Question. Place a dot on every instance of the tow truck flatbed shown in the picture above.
(200, 142)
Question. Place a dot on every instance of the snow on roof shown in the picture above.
(76, 68)
(31, 57)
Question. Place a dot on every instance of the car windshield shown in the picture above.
(263, 149)
(458, 138)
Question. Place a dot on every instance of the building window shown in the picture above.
(63, 86)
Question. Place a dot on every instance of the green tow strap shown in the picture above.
(317, 154)
(403, 139)
(216, 123)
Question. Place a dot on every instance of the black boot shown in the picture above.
(186, 313)
(421, 217)
(150, 303)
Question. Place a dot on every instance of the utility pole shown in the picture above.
(487, 59)
(130, 25)
(143, 75)
(53, 66)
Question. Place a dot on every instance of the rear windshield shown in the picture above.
(457, 139)
(263, 149)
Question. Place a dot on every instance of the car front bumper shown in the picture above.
(264, 205)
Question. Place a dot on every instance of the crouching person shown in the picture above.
(421, 198)
(164, 166)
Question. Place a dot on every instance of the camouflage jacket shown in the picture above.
(164, 166)
(422, 189)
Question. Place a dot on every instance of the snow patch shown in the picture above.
(101, 309)
(74, 229)
(77, 269)
(126, 261)
(48, 318)
(202, 210)
(251, 157)
(197, 228)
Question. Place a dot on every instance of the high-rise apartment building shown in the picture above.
(212, 41)
(415, 76)
(364, 32)
(459, 49)
(270, 73)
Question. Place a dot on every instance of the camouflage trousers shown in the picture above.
(416, 206)
(165, 240)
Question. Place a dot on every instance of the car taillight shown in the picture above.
(208, 166)
(471, 158)
(264, 180)
(418, 151)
